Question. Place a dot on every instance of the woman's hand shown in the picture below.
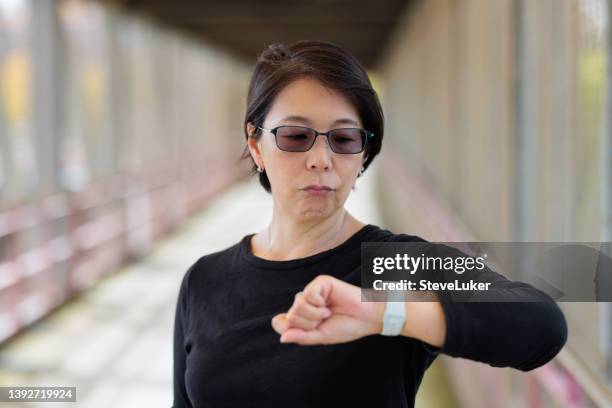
(328, 311)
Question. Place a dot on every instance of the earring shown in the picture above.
(361, 171)
(259, 169)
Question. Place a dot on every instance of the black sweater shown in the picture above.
(226, 353)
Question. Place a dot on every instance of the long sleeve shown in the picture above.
(181, 400)
(524, 333)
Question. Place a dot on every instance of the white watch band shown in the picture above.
(395, 314)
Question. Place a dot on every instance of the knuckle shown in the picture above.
(322, 278)
(292, 318)
(298, 308)
(325, 279)
(310, 292)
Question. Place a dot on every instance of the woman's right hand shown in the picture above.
(328, 311)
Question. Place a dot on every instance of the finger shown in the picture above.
(313, 293)
(302, 308)
(342, 296)
(304, 337)
(279, 323)
(296, 321)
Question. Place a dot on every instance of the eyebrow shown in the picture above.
(298, 118)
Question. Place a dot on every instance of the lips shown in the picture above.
(318, 187)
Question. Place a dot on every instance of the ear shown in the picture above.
(253, 145)
(250, 128)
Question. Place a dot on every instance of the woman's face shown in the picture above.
(306, 102)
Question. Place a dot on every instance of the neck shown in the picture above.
(286, 238)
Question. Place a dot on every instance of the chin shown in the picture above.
(313, 212)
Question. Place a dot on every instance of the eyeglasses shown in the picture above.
(301, 138)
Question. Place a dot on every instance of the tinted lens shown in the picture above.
(294, 138)
(347, 140)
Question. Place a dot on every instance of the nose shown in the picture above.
(319, 156)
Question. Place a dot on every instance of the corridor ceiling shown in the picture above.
(245, 27)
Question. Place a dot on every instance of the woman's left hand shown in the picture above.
(328, 311)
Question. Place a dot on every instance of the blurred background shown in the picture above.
(121, 129)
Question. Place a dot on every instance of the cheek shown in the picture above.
(349, 172)
(284, 169)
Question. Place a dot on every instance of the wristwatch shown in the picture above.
(395, 314)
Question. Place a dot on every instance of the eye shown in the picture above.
(296, 136)
(293, 133)
(345, 136)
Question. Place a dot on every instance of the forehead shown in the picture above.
(310, 99)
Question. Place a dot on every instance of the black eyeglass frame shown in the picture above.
(367, 135)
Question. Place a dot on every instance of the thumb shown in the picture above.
(304, 337)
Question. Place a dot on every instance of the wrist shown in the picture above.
(376, 320)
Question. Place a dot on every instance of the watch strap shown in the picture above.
(395, 314)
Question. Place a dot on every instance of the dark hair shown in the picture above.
(278, 65)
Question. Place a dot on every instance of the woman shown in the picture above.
(277, 320)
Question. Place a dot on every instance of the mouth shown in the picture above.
(318, 190)
(317, 187)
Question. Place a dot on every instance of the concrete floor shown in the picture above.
(114, 342)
